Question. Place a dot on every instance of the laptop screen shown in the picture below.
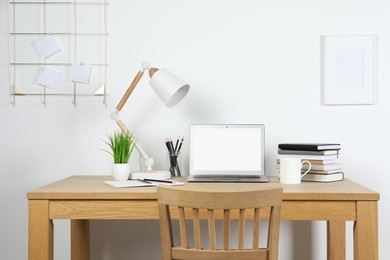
(227, 149)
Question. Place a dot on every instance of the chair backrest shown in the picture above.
(193, 205)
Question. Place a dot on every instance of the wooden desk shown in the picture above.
(81, 198)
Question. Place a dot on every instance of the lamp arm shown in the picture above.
(129, 90)
(144, 66)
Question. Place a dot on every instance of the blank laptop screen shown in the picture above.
(227, 149)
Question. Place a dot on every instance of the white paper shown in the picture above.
(50, 78)
(81, 73)
(350, 69)
(46, 45)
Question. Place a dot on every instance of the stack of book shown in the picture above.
(324, 159)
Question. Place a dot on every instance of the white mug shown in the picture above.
(291, 170)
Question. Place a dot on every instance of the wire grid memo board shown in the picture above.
(58, 48)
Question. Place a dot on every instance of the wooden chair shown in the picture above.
(193, 205)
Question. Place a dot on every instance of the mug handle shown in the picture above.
(307, 169)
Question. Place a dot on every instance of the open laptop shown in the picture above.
(227, 153)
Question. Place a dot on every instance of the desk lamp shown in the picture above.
(171, 91)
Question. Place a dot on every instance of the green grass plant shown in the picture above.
(122, 145)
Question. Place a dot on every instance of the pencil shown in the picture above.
(181, 142)
(177, 142)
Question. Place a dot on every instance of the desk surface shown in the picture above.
(93, 187)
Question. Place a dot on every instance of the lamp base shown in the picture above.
(157, 175)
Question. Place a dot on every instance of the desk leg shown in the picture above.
(366, 231)
(336, 240)
(79, 239)
(40, 231)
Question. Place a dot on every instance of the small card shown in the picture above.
(100, 91)
(18, 90)
(129, 183)
(81, 73)
(46, 45)
(50, 78)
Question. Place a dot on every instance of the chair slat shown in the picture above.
(226, 229)
(197, 239)
(183, 229)
(241, 230)
(211, 224)
(256, 229)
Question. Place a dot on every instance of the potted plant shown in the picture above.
(121, 146)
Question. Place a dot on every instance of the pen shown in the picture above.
(167, 144)
(171, 145)
(165, 181)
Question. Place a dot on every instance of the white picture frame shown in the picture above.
(349, 69)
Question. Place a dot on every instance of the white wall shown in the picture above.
(247, 62)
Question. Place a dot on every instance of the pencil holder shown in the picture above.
(174, 165)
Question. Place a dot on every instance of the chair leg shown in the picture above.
(165, 232)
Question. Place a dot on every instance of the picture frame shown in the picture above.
(349, 69)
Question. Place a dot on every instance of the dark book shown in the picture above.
(309, 146)
(338, 176)
(323, 152)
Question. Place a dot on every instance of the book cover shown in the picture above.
(309, 157)
(322, 171)
(339, 176)
(321, 167)
(323, 152)
(309, 146)
(317, 161)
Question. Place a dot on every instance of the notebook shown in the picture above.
(227, 153)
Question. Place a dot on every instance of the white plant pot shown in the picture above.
(120, 171)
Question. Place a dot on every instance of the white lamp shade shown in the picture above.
(168, 87)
